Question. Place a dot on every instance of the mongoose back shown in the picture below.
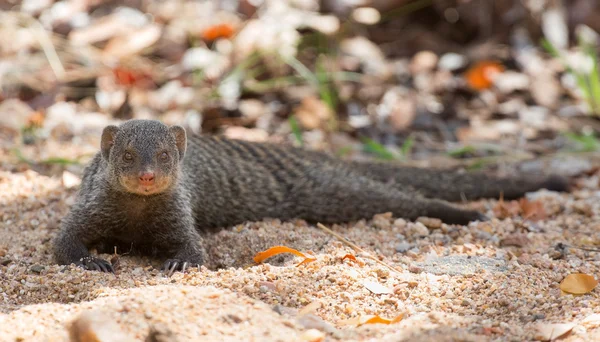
(153, 190)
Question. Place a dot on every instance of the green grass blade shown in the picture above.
(296, 129)
(376, 148)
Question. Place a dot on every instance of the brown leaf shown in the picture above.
(506, 209)
(264, 255)
(133, 42)
(532, 210)
(578, 283)
(312, 113)
(552, 331)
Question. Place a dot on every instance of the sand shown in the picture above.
(496, 280)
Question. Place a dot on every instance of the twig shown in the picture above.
(356, 247)
(45, 42)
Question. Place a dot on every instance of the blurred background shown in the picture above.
(467, 83)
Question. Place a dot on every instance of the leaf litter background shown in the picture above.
(462, 84)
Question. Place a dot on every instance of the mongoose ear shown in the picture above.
(108, 140)
(180, 139)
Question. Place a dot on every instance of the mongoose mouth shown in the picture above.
(139, 188)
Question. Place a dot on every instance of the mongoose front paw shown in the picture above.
(172, 265)
(95, 264)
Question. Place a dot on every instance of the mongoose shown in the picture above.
(154, 191)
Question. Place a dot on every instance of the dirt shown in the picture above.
(496, 280)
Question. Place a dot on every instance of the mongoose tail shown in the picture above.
(456, 186)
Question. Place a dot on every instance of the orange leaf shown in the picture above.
(127, 77)
(480, 75)
(218, 31)
(532, 210)
(370, 319)
(349, 257)
(506, 209)
(264, 255)
(578, 283)
(36, 119)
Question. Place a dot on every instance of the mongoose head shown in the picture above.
(143, 156)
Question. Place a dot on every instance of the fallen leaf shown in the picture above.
(264, 255)
(578, 283)
(532, 210)
(376, 287)
(35, 119)
(349, 257)
(552, 331)
(133, 42)
(504, 209)
(128, 77)
(310, 308)
(215, 32)
(480, 76)
(312, 113)
(370, 319)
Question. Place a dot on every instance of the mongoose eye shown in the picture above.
(164, 156)
(127, 156)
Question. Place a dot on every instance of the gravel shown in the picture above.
(452, 282)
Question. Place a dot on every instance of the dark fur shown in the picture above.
(224, 182)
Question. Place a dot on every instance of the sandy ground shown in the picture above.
(497, 280)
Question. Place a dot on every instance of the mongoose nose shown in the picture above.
(147, 178)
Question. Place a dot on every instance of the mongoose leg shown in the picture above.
(189, 251)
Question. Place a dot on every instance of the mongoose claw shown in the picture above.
(172, 265)
(95, 264)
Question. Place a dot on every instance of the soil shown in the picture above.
(496, 280)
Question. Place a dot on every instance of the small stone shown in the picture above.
(424, 61)
(5, 262)
(96, 326)
(366, 15)
(37, 268)
(313, 335)
(516, 240)
(452, 61)
(429, 222)
(160, 333)
(403, 247)
(415, 268)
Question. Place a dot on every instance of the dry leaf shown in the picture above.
(128, 77)
(35, 119)
(218, 31)
(312, 113)
(310, 308)
(578, 283)
(552, 331)
(376, 287)
(264, 255)
(480, 76)
(506, 209)
(369, 319)
(349, 257)
(532, 210)
(133, 42)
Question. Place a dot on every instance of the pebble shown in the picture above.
(37, 268)
(403, 247)
(96, 326)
